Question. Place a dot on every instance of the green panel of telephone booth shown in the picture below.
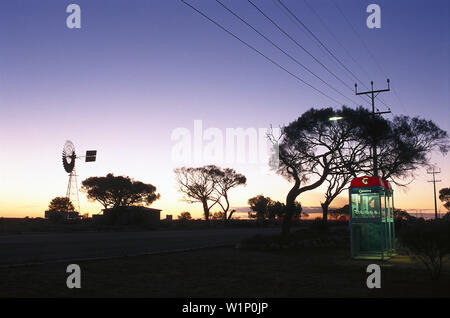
(371, 218)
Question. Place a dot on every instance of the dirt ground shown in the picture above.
(227, 272)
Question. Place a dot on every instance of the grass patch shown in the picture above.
(297, 240)
(226, 272)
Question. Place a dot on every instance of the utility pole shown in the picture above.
(373, 94)
(434, 172)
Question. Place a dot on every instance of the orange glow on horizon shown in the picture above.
(16, 204)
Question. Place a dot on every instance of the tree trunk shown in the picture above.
(324, 211)
(206, 211)
(286, 226)
(290, 204)
(225, 211)
(290, 210)
(295, 191)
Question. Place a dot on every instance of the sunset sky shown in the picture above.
(137, 70)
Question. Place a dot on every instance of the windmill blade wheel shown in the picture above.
(68, 156)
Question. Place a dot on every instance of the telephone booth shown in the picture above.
(371, 218)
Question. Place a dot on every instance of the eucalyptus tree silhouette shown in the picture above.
(208, 185)
(314, 149)
(119, 191)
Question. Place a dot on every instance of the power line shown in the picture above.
(318, 40)
(398, 98)
(362, 41)
(359, 37)
(322, 45)
(298, 44)
(287, 54)
(335, 38)
(306, 34)
(259, 52)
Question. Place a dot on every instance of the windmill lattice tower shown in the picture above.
(69, 158)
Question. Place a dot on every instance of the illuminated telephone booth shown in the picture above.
(371, 218)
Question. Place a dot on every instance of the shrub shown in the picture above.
(56, 218)
(446, 217)
(294, 241)
(428, 241)
(185, 216)
(319, 225)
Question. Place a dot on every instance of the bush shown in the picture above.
(294, 241)
(319, 225)
(428, 241)
(446, 217)
(56, 218)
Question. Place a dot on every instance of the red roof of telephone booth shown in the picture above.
(369, 182)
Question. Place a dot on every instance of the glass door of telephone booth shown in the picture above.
(371, 220)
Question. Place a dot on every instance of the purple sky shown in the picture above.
(137, 70)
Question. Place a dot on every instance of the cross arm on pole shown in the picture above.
(385, 112)
(373, 91)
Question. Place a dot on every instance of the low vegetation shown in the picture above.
(299, 240)
(428, 242)
(231, 272)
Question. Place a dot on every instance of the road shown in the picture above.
(52, 247)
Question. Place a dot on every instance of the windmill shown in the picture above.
(69, 158)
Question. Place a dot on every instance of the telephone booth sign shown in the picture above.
(371, 218)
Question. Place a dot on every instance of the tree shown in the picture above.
(444, 196)
(336, 183)
(298, 210)
(405, 147)
(401, 219)
(313, 148)
(228, 179)
(276, 209)
(61, 204)
(341, 213)
(260, 206)
(198, 185)
(402, 147)
(218, 216)
(402, 215)
(446, 217)
(208, 185)
(118, 191)
(186, 216)
(265, 208)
